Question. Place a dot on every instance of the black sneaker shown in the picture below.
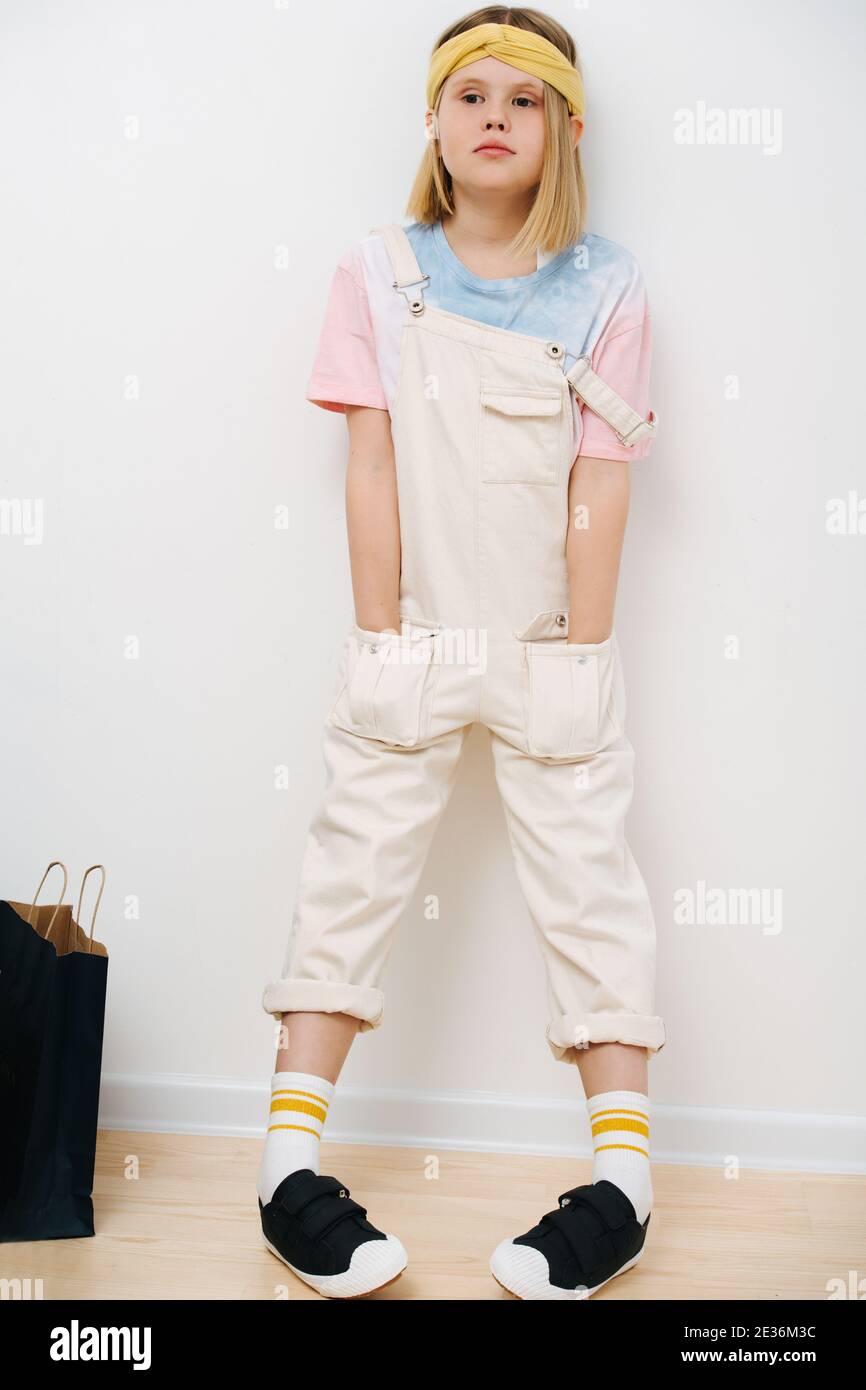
(592, 1236)
(312, 1224)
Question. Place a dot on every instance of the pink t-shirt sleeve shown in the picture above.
(345, 368)
(622, 359)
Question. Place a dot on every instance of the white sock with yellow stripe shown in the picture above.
(299, 1108)
(620, 1140)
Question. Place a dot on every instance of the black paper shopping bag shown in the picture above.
(52, 1010)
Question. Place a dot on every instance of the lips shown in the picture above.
(492, 145)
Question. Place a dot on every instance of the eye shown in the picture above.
(473, 98)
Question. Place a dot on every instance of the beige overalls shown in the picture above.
(483, 433)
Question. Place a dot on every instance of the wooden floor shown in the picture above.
(177, 1218)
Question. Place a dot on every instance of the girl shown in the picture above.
(492, 360)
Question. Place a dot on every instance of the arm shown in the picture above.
(598, 491)
(598, 497)
(372, 519)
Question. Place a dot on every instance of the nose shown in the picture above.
(499, 119)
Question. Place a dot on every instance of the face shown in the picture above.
(490, 104)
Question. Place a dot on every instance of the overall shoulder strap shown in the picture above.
(409, 280)
(407, 271)
(629, 427)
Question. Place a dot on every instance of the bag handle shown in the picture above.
(98, 899)
(39, 889)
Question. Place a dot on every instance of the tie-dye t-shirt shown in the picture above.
(591, 297)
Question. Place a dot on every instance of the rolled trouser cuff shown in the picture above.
(571, 1034)
(325, 996)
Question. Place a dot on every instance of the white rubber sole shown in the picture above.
(373, 1265)
(524, 1271)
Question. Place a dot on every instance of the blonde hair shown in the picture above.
(557, 218)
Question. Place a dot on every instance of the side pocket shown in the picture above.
(389, 684)
(567, 696)
(618, 697)
(341, 679)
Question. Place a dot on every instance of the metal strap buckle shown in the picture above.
(641, 430)
(415, 301)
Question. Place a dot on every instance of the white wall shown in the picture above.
(155, 158)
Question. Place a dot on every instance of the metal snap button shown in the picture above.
(555, 349)
(373, 647)
(560, 618)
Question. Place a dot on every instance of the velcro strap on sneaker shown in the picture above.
(608, 1203)
(591, 1236)
(321, 1216)
(576, 1232)
(307, 1189)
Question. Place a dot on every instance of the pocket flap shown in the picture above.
(551, 623)
(521, 401)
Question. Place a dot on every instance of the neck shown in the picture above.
(485, 225)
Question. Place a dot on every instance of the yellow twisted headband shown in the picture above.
(519, 47)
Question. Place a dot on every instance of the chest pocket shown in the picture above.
(521, 434)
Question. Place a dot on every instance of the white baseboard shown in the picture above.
(487, 1121)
